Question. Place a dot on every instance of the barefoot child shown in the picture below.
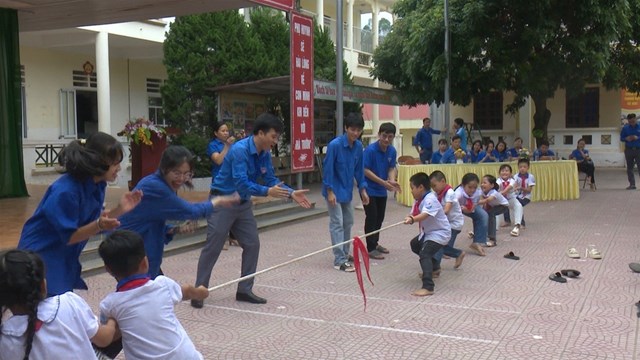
(143, 308)
(61, 326)
(507, 185)
(494, 204)
(435, 230)
(451, 207)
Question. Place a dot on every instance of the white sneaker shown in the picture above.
(515, 231)
(573, 253)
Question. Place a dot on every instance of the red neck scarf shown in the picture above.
(505, 184)
(416, 206)
(523, 179)
(132, 282)
(442, 193)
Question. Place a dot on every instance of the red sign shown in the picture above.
(302, 143)
(286, 5)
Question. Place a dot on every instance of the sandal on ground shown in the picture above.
(594, 254)
(635, 267)
(478, 249)
(511, 256)
(573, 253)
(557, 277)
(570, 273)
(460, 258)
(422, 292)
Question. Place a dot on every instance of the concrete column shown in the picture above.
(102, 73)
(320, 13)
(374, 22)
(350, 24)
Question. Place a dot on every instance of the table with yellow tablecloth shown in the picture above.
(555, 180)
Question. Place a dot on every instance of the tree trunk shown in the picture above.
(540, 118)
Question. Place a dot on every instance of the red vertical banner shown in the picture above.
(302, 142)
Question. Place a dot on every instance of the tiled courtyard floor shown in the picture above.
(491, 308)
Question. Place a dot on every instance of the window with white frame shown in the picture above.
(154, 101)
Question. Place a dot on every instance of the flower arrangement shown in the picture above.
(523, 153)
(459, 154)
(140, 130)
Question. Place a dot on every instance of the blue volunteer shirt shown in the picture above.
(242, 168)
(474, 158)
(341, 165)
(379, 162)
(159, 204)
(537, 154)
(215, 146)
(447, 158)
(463, 138)
(424, 138)
(513, 152)
(577, 155)
(631, 130)
(68, 204)
(500, 156)
(483, 154)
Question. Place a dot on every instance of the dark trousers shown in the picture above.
(589, 169)
(425, 157)
(239, 219)
(632, 155)
(427, 250)
(449, 249)
(507, 216)
(493, 212)
(374, 216)
(112, 350)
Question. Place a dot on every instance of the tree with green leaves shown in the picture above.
(529, 47)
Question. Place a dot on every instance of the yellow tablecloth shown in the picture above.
(555, 180)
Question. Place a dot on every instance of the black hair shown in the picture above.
(122, 251)
(459, 122)
(443, 141)
(486, 145)
(477, 142)
(438, 176)
(217, 125)
(503, 143)
(631, 116)
(455, 137)
(492, 180)
(517, 138)
(267, 121)
(387, 128)
(91, 157)
(174, 156)
(425, 119)
(544, 142)
(506, 166)
(21, 279)
(420, 179)
(581, 139)
(524, 161)
(469, 177)
(354, 120)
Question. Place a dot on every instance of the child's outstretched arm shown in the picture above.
(106, 333)
(196, 293)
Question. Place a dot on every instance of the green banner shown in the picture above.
(325, 90)
(11, 168)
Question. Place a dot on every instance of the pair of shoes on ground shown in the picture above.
(558, 276)
(249, 297)
(591, 253)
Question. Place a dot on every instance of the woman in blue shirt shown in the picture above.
(476, 150)
(500, 153)
(71, 210)
(218, 147)
(161, 203)
(487, 155)
(585, 164)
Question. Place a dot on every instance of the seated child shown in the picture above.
(61, 326)
(544, 153)
(451, 207)
(435, 231)
(494, 204)
(143, 308)
(507, 185)
(468, 196)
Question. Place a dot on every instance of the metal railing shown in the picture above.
(47, 155)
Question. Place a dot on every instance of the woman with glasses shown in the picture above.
(161, 203)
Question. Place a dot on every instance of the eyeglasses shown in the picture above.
(177, 174)
(387, 136)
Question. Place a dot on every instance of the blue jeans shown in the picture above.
(480, 224)
(340, 223)
(449, 249)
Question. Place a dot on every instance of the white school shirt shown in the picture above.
(529, 181)
(455, 217)
(149, 326)
(510, 181)
(436, 226)
(498, 199)
(462, 196)
(66, 332)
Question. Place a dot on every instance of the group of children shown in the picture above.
(439, 210)
(139, 316)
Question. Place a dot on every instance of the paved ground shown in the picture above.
(491, 308)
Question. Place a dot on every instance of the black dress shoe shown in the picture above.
(198, 304)
(250, 297)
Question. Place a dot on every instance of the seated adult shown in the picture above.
(585, 164)
(543, 152)
(487, 156)
(500, 153)
(458, 151)
(476, 150)
(444, 155)
(514, 153)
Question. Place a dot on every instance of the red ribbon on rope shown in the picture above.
(359, 249)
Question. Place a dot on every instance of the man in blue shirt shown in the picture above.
(630, 134)
(247, 161)
(444, 155)
(424, 140)
(380, 171)
(343, 163)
